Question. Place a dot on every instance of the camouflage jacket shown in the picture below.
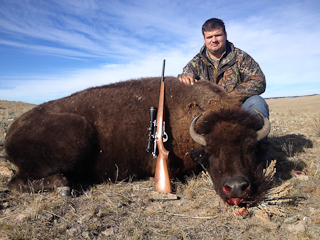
(237, 72)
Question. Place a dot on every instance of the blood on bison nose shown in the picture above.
(236, 187)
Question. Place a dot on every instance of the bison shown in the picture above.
(100, 134)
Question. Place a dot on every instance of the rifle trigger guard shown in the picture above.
(164, 134)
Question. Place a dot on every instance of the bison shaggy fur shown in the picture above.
(100, 134)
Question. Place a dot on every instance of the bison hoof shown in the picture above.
(64, 191)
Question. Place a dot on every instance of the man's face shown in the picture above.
(215, 42)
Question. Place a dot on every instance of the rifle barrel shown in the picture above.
(163, 66)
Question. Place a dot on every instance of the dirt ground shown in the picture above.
(126, 210)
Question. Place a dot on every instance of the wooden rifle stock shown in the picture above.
(161, 176)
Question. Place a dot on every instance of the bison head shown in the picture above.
(231, 140)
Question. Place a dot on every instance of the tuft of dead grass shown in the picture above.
(270, 171)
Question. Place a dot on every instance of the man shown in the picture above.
(223, 64)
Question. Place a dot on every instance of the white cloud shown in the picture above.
(281, 37)
(45, 88)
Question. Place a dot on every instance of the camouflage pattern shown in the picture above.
(237, 72)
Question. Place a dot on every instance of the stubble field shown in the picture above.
(126, 210)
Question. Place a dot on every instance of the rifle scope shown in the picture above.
(152, 129)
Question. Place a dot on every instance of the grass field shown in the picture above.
(126, 210)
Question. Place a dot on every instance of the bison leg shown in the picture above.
(55, 182)
(49, 149)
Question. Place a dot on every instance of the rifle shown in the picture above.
(157, 136)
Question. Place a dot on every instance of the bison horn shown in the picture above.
(196, 136)
(261, 134)
(264, 131)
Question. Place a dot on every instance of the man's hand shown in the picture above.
(187, 80)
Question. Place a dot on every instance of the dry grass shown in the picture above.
(124, 210)
(316, 126)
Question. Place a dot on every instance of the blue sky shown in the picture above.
(50, 49)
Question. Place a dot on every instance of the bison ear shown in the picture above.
(200, 155)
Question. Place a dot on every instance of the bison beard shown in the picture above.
(100, 134)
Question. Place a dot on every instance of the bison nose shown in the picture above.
(236, 187)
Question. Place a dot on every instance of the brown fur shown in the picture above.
(234, 150)
(101, 133)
